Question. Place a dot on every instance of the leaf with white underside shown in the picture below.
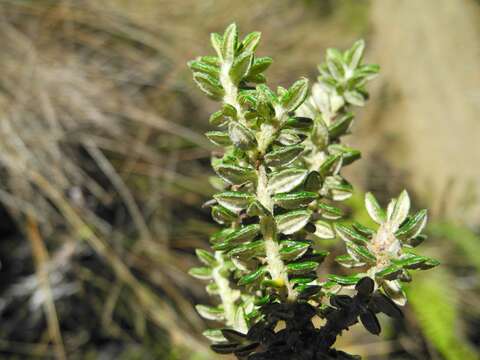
(241, 136)
(373, 208)
(292, 221)
(210, 312)
(234, 200)
(400, 211)
(286, 180)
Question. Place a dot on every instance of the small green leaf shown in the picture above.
(300, 123)
(284, 155)
(292, 221)
(313, 182)
(354, 97)
(401, 209)
(219, 138)
(348, 261)
(229, 43)
(373, 208)
(216, 40)
(251, 41)
(412, 227)
(349, 155)
(229, 110)
(286, 180)
(222, 215)
(365, 231)
(201, 67)
(206, 257)
(293, 251)
(221, 235)
(234, 174)
(210, 312)
(249, 250)
(288, 137)
(252, 277)
(202, 273)
(294, 200)
(214, 335)
(257, 209)
(209, 85)
(361, 252)
(241, 136)
(241, 67)
(296, 95)
(394, 291)
(242, 235)
(331, 165)
(300, 268)
(234, 200)
(259, 65)
(329, 212)
(340, 126)
(349, 235)
(212, 289)
(324, 230)
(390, 272)
(344, 280)
(355, 54)
(217, 118)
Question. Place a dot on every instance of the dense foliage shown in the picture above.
(279, 185)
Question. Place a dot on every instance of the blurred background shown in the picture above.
(103, 165)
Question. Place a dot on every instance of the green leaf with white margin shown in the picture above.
(239, 322)
(329, 212)
(413, 227)
(251, 41)
(292, 221)
(390, 272)
(234, 200)
(209, 85)
(354, 97)
(201, 273)
(295, 200)
(355, 54)
(400, 211)
(345, 280)
(229, 43)
(394, 291)
(234, 174)
(206, 257)
(253, 276)
(222, 215)
(210, 312)
(324, 230)
(240, 67)
(347, 234)
(348, 261)
(300, 268)
(284, 155)
(292, 250)
(373, 208)
(286, 180)
(296, 95)
(214, 335)
(216, 40)
(241, 136)
(219, 138)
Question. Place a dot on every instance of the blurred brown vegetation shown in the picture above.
(104, 167)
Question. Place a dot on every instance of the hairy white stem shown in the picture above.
(228, 296)
(275, 264)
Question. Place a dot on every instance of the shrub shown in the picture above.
(280, 183)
